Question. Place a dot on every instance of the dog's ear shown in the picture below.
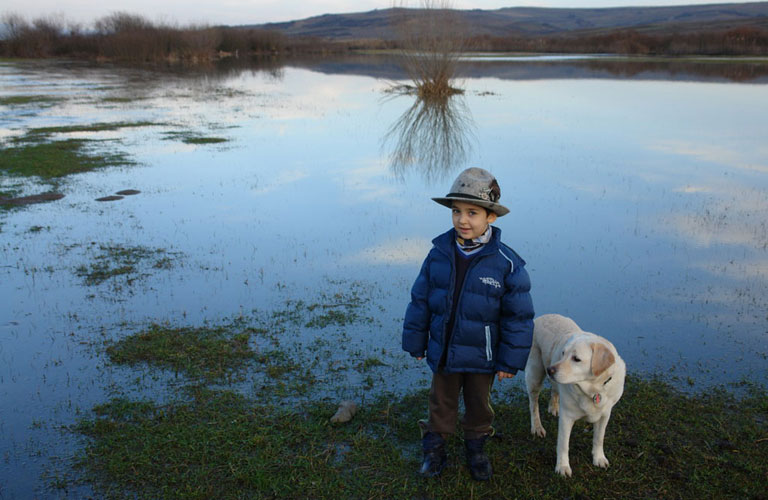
(602, 358)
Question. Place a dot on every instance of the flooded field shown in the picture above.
(290, 204)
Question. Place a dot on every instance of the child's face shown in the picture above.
(470, 221)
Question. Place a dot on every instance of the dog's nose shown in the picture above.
(551, 371)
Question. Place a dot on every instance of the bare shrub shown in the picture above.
(433, 137)
(432, 39)
(121, 22)
(14, 27)
(250, 41)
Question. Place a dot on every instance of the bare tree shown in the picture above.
(432, 137)
(432, 40)
(120, 22)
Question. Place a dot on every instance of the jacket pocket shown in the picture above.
(488, 349)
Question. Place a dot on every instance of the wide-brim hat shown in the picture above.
(478, 187)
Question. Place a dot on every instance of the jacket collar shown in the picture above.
(446, 241)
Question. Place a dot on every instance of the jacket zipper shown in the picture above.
(446, 347)
(488, 350)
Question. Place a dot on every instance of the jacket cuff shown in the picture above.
(505, 369)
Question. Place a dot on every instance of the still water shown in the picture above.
(638, 196)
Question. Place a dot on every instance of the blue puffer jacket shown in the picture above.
(494, 321)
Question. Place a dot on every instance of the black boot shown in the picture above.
(477, 461)
(434, 455)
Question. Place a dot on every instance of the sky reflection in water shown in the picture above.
(639, 204)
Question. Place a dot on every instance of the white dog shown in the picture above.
(587, 377)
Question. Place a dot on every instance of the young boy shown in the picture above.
(471, 315)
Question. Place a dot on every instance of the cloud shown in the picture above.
(281, 179)
(731, 215)
(693, 189)
(405, 252)
(370, 183)
(712, 153)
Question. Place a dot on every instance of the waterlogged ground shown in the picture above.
(265, 204)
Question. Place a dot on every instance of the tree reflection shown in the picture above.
(432, 137)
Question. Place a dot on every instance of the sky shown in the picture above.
(235, 12)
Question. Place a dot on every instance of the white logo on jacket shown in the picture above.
(490, 281)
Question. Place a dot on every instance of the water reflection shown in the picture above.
(647, 194)
(432, 137)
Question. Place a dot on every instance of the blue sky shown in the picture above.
(231, 12)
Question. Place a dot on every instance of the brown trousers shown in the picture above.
(444, 404)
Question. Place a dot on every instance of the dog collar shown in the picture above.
(597, 397)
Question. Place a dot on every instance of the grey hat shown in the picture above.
(478, 187)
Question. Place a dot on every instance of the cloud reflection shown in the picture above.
(431, 137)
(712, 153)
(409, 251)
(736, 216)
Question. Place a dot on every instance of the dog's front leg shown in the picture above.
(534, 375)
(598, 455)
(533, 406)
(564, 426)
(554, 400)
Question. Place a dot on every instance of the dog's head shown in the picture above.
(580, 360)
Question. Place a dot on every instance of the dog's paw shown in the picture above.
(600, 461)
(554, 408)
(538, 431)
(563, 469)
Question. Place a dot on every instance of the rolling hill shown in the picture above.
(536, 22)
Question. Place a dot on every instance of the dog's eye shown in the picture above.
(576, 359)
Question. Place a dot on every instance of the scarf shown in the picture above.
(469, 247)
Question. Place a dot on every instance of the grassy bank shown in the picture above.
(209, 442)
(217, 444)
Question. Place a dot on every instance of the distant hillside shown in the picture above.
(536, 22)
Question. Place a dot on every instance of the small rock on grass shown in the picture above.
(346, 411)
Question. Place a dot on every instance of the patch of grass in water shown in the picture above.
(204, 140)
(661, 443)
(50, 160)
(188, 137)
(93, 127)
(123, 100)
(5, 195)
(210, 352)
(339, 309)
(277, 363)
(22, 100)
(369, 363)
(117, 260)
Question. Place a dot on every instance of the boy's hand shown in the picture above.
(419, 358)
(504, 375)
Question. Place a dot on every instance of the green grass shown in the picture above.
(188, 137)
(208, 352)
(123, 100)
(92, 127)
(117, 260)
(210, 441)
(21, 100)
(36, 154)
(51, 160)
(661, 443)
(204, 140)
